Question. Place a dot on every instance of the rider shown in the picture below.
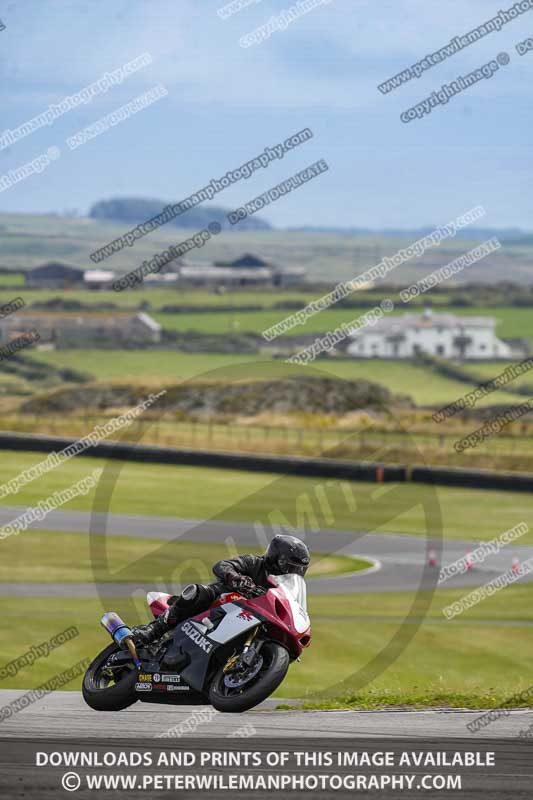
(246, 574)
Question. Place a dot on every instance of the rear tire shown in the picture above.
(115, 696)
(262, 687)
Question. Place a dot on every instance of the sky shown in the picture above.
(227, 103)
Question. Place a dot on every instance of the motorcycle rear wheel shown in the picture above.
(102, 695)
(234, 700)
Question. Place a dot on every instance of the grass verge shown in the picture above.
(50, 557)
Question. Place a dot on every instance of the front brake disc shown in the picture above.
(238, 677)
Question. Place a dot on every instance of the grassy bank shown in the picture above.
(276, 500)
(423, 385)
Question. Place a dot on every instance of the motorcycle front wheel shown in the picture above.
(108, 689)
(233, 693)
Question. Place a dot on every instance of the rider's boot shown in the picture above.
(192, 599)
(148, 634)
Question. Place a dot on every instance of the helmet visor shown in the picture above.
(292, 566)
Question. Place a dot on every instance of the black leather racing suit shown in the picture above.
(252, 566)
(226, 571)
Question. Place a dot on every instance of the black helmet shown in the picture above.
(287, 554)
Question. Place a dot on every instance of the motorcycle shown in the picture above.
(233, 656)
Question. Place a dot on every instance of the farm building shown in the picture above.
(225, 276)
(444, 335)
(98, 278)
(69, 330)
(53, 275)
(168, 275)
(248, 270)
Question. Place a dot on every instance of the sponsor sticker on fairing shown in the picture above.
(143, 687)
(171, 678)
(194, 634)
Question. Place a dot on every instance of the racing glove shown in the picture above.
(245, 585)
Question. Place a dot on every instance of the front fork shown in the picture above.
(248, 653)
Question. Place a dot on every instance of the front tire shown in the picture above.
(100, 693)
(276, 663)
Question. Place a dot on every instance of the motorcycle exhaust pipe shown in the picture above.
(120, 633)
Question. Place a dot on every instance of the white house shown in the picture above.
(444, 335)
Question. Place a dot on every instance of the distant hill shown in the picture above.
(505, 235)
(132, 210)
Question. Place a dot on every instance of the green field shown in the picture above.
(488, 371)
(424, 386)
(238, 496)
(46, 557)
(150, 366)
(155, 298)
(476, 660)
(15, 280)
(511, 322)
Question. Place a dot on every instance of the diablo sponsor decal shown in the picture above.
(143, 687)
(190, 631)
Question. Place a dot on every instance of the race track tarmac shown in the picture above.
(65, 715)
(400, 560)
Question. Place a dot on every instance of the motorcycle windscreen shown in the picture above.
(294, 586)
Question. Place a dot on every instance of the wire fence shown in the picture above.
(397, 446)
